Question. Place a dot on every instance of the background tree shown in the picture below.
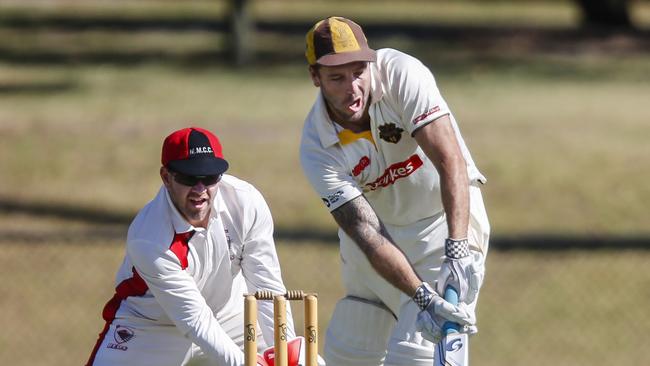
(241, 32)
(606, 13)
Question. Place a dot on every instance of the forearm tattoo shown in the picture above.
(360, 222)
(358, 219)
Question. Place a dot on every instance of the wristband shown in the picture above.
(423, 295)
(456, 249)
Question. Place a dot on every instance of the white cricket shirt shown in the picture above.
(192, 278)
(385, 164)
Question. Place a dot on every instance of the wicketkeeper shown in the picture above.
(192, 252)
(383, 151)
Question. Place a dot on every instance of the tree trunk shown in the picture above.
(605, 13)
(241, 29)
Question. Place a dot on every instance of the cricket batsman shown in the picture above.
(382, 149)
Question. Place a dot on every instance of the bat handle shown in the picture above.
(451, 296)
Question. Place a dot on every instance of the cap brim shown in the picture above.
(335, 59)
(199, 166)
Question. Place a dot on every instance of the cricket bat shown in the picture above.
(453, 349)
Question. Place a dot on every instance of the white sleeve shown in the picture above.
(177, 294)
(412, 86)
(260, 264)
(327, 171)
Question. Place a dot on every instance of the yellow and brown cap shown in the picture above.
(337, 41)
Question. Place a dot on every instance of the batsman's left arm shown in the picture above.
(438, 141)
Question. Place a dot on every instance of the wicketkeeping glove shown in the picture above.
(463, 270)
(295, 354)
(438, 311)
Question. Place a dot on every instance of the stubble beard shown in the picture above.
(346, 119)
(196, 216)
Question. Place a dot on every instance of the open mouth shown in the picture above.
(355, 106)
(198, 202)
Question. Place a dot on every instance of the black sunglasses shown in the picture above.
(192, 180)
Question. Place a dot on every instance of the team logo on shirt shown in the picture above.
(229, 241)
(389, 132)
(363, 164)
(394, 172)
(122, 335)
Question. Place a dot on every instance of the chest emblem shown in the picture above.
(232, 254)
(389, 132)
(363, 164)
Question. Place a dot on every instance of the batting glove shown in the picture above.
(463, 270)
(437, 311)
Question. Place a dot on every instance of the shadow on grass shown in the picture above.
(54, 57)
(109, 226)
(36, 87)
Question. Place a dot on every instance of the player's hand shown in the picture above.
(463, 270)
(431, 329)
(430, 320)
(295, 354)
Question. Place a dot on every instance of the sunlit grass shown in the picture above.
(553, 145)
(526, 304)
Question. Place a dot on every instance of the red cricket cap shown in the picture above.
(193, 151)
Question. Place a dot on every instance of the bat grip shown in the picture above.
(451, 296)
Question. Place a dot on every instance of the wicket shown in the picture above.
(280, 326)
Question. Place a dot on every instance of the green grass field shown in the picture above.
(536, 308)
(558, 125)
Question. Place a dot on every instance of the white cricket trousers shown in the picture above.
(138, 343)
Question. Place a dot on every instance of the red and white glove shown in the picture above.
(295, 354)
